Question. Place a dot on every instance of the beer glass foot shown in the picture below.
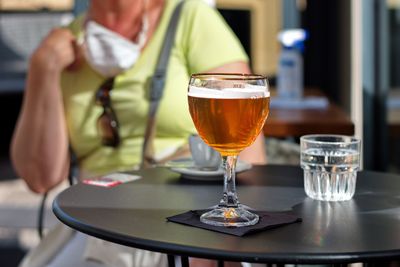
(229, 217)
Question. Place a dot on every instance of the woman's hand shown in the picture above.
(57, 52)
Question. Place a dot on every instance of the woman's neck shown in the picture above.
(125, 17)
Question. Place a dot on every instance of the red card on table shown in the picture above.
(111, 180)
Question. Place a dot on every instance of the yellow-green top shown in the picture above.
(203, 41)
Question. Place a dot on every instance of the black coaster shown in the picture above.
(268, 220)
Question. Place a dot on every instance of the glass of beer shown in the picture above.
(229, 112)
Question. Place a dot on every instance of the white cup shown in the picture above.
(204, 156)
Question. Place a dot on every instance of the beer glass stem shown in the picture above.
(229, 198)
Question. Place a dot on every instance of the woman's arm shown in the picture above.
(255, 153)
(39, 148)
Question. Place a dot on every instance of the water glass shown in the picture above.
(330, 164)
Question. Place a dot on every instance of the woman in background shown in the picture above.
(110, 54)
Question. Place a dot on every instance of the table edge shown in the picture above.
(190, 251)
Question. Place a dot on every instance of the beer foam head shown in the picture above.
(250, 91)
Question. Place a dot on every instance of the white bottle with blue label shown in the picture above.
(290, 67)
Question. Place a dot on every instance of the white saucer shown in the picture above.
(194, 173)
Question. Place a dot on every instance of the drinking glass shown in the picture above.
(330, 164)
(229, 112)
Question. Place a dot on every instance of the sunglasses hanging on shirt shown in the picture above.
(107, 123)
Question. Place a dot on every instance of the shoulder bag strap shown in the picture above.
(157, 87)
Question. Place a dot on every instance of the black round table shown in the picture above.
(364, 229)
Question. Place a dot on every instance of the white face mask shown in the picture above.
(109, 53)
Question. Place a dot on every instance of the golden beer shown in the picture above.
(229, 111)
(229, 125)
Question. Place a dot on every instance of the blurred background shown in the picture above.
(351, 56)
